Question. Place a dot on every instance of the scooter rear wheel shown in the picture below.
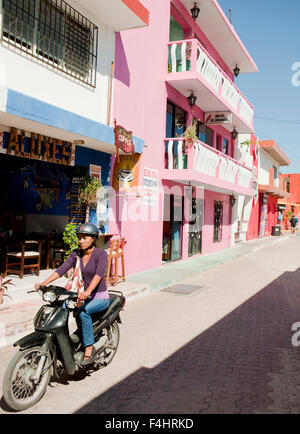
(106, 355)
(19, 391)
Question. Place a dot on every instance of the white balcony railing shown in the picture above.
(207, 68)
(191, 56)
(204, 159)
(244, 177)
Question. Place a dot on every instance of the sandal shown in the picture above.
(87, 360)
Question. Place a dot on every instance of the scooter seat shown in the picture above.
(99, 316)
(114, 301)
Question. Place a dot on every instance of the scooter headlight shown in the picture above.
(49, 296)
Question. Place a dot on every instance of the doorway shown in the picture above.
(172, 228)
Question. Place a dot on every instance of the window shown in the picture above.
(225, 146)
(219, 143)
(18, 21)
(175, 121)
(204, 133)
(218, 221)
(50, 32)
(54, 32)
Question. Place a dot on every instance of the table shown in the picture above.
(47, 239)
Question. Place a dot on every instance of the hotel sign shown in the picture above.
(218, 118)
(37, 147)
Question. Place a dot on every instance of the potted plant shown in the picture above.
(3, 287)
(88, 193)
(70, 239)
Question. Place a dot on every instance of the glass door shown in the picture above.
(172, 228)
(176, 227)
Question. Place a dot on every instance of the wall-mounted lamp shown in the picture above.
(195, 11)
(234, 134)
(192, 99)
(78, 142)
(232, 200)
(236, 71)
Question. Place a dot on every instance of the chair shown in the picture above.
(59, 251)
(115, 253)
(18, 253)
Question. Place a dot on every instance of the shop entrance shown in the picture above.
(172, 228)
(35, 203)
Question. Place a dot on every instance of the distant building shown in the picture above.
(265, 211)
(291, 204)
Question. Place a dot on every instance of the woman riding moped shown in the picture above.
(93, 262)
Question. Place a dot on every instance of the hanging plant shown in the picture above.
(88, 193)
(190, 135)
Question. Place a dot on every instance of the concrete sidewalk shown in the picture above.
(17, 319)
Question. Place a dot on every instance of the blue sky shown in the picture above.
(270, 31)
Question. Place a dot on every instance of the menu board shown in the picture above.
(77, 210)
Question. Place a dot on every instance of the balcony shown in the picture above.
(191, 68)
(204, 165)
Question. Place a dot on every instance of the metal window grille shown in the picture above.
(55, 33)
(218, 221)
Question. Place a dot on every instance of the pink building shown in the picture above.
(186, 191)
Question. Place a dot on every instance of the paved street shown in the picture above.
(224, 349)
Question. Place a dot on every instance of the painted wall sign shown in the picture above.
(37, 147)
(218, 118)
(150, 187)
(126, 173)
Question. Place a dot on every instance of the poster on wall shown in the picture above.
(77, 211)
(95, 171)
(150, 186)
(126, 173)
(263, 216)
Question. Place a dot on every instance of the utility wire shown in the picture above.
(278, 120)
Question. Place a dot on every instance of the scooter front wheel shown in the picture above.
(19, 389)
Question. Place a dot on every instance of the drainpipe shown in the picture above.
(110, 92)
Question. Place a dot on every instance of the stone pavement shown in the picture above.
(17, 320)
(226, 349)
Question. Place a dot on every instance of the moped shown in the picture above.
(52, 350)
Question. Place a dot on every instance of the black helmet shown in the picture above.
(88, 229)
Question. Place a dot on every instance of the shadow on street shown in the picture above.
(245, 363)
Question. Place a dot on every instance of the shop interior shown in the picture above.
(35, 204)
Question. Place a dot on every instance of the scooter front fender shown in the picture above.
(31, 340)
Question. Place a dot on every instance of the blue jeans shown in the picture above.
(84, 314)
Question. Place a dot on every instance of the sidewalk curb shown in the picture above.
(17, 320)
